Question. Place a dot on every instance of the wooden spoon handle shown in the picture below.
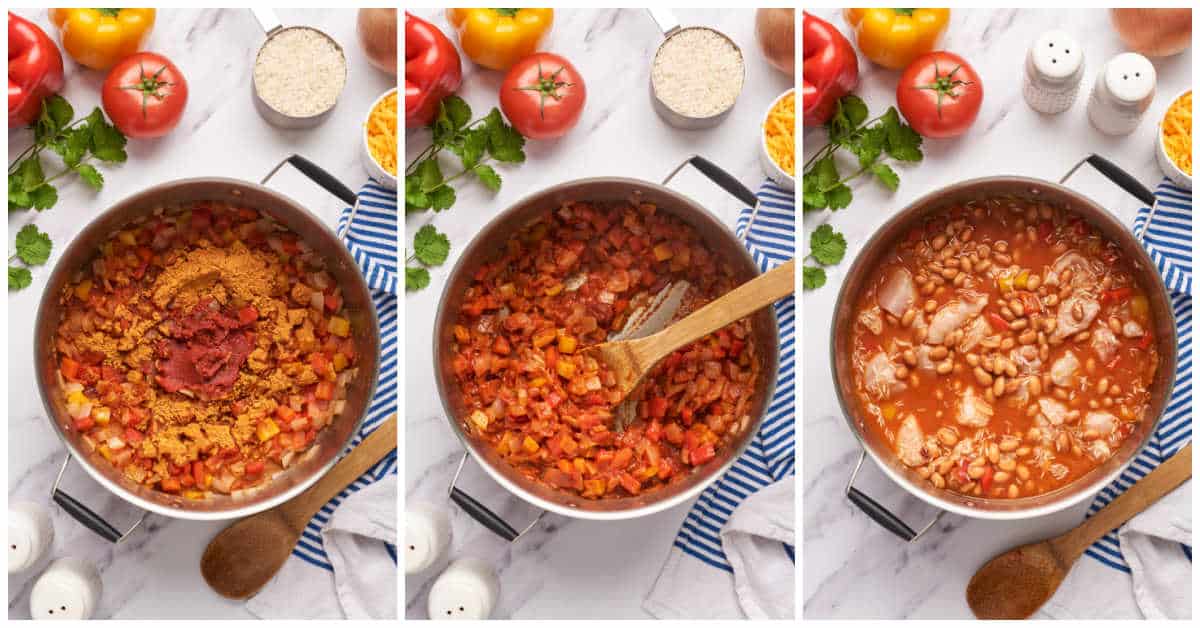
(300, 510)
(1164, 479)
(738, 303)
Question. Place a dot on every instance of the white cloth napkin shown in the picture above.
(1159, 585)
(363, 582)
(762, 585)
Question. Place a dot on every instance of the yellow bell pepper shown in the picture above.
(894, 37)
(99, 38)
(498, 38)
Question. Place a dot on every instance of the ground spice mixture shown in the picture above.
(203, 349)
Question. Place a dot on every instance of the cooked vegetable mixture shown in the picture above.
(564, 283)
(1004, 350)
(203, 349)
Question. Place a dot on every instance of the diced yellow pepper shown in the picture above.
(554, 290)
(339, 326)
(192, 493)
(529, 445)
(101, 415)
(889, 411)
(580, 465)
(127, 238)
(83, 289)
(566, 344)
(480, 419)
(1139, 307)
(77, 398)
(1005, 282)
(1022, 280)
(565, 369)
(106, 452)
(663, 252)
(267, 429)
(461, 334)
(340, 362)
(537, 382)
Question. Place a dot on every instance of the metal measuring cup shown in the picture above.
(670, 27)
(272, 26)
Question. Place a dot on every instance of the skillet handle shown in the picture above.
(1114, 173)
(717, 175)
(880, 514)
(317, 175)
(86, 516)
(483, 514)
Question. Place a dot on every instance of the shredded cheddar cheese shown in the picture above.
(780, 133)
(382, 135)
(1177, 132)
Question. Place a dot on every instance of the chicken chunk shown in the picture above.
(879, 377)
(1103, 422)
(973, 410)
(898, 291)
(953, 315)
(1075, 314)
(1062, 372)
(1105, 343)
(910, 442)
(1056, 413)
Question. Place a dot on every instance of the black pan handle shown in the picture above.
(880, 514)
(317, 175)
(717, 175)
(483, 514)
(86, 516)
(1117, 175)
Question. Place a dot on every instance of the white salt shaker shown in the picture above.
(426, 536)
(30, 535)
(1053, 72)
(468, 589)
(69, 589)
(1124, 89)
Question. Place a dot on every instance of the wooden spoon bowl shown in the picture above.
(1015, 584)
(244, 557)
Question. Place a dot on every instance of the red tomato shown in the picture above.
(144, 95)
(939, 94)
(542, 96)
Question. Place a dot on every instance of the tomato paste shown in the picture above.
(204, 351)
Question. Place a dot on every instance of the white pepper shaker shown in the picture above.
(1053, 72)
(426, 536)
(30, 535)
(468, 589)
(69, 589)
(1124, 89)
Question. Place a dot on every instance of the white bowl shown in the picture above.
(385, 178)
(772, 169)
(1177, 176)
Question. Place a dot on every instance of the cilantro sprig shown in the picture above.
(474, 142)
(88, 139)
(75, 142)
(869, 141)
(430, 248)
(33, 249)
(826, 247)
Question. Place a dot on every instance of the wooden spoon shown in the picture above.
(1018, 582)
(245, 556)
(631, 359)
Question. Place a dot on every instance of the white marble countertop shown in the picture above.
(155, 573)
(569, 568)
(851, 565)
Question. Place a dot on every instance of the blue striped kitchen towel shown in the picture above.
(371, 238)
(1168, 239)
(770, 457)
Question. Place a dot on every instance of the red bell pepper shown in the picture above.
(35, 70)
(432, 70)
(830, 69)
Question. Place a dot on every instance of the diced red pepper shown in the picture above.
(69, 368)
(997, 321)
(255, 467)
(170, 485)
(702, 454)
(324, 390)
(247, 315)
(84, 424)
(1116, 295)
(658, 407)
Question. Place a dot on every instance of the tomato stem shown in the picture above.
(547, 86)
(944, 85)
(149, 85)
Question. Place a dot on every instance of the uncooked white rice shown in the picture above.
(300, 72)
(698, 73)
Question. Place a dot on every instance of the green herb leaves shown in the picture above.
(76, 143)
(426, 187)
(33, 248)
(91, 137)
(431, 248)
(869, 141)
(474, 143)
(827, 248)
